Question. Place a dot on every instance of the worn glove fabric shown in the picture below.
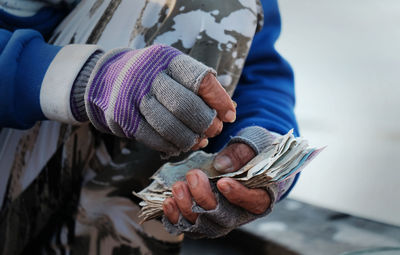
(149, 94)
(255, 137)
(226, 216)
(213, 223)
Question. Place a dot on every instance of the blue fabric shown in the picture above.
(24, 59)
(265, 93)
(44, 21)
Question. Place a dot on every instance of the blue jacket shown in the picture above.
(265, 93)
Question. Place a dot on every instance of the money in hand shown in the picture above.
(285, 157)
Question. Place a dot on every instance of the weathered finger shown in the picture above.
(171, 210)
(256, 201)
(200, 79)
(183, 199)
(215, 128)
(183, 103)
(200, 188)
(233, 157)
(201, 144)
(216, 97)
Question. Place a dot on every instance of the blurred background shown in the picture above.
(346, 58)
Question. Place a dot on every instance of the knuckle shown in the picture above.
(194, 171)
(202, 200)
(259, 209)
(177, 184)
(207, 83)
(238, 200)
(186, 211)
(202, 176)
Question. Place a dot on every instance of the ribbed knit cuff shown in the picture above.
(78, 89)
(256, 137)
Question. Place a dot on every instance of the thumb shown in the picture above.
(233, 157)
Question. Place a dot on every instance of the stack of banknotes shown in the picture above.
(285, 157)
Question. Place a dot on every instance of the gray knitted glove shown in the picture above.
(257, 138)
(226, 216)
(149, 94)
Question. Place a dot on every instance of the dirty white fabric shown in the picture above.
(55, 92)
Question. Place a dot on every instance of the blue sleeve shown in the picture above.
(43, 21)
(24, 59)
(265, 93)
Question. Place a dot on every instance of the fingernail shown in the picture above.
(234, 103)
(192, 180)
(178, 192)
(230, 116)
(223, 163)
(224, 188)
(204, 143)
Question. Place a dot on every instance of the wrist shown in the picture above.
(77, 99)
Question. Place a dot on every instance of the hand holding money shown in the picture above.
(197, 188)
(271, 171)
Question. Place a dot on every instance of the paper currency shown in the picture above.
(285, 157)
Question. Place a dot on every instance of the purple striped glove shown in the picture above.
(149, 94)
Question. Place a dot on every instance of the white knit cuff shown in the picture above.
(56, 87)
